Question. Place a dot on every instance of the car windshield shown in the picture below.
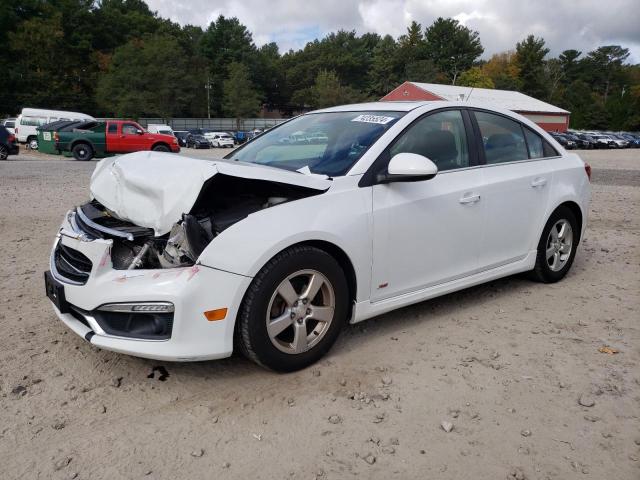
(327, 143)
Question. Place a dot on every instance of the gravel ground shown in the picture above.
(511, 368)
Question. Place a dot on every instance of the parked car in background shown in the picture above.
(276, 249)
(579, 142)
(564, 141)
(197, 141)
(162, 129)
(634, 140)
(619, 140)
(112, 136)
(604, 141)
(31, 118)
(181, 135)
(10, 124)
(220, 139)
(587, 138)
(8, 145)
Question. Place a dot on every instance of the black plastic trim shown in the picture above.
(89, 335)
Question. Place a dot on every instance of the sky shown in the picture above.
(580, 24)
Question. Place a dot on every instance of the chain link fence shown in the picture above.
(213, 123)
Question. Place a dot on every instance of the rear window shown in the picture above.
(502, 138)
(538, 146)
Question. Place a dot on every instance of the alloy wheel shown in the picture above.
(559, 245)
(300, 311)
(4, 152)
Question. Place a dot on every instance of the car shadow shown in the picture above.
(389, 324)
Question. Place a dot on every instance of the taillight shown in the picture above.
(587, 168)
(12, 138)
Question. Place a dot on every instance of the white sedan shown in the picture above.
(273, 249)
(220, 140)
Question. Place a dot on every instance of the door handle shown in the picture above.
(539, 182)
(470, 199)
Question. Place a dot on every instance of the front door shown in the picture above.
(428, 232)
(130, 139)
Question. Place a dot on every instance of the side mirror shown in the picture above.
(139, 131)
(408, 167)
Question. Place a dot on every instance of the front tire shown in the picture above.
(82, 152)
(557, 246)
(294, 309)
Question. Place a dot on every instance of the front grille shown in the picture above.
(72, 264)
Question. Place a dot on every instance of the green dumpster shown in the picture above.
(46, 142)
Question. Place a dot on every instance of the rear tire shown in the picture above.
(557, 246)
(161, 148)
(32, 142)
(82, 152)
(294, 310)
(4, 152)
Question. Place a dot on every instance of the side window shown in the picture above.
(538, 147)
(113, 128)
(33, 121)
(441, 137)
(502, 138)
(129, 129)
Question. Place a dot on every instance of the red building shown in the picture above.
(547, 116)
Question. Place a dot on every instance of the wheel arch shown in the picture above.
(575, 209)
(338, 254)
(343, 260)
(159, 143)
(81, 141)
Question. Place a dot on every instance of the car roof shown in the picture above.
(407, 106)
(402, 106)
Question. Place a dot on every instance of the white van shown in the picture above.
(32, 118)
(157, 128)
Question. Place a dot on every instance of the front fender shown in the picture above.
(340, 216)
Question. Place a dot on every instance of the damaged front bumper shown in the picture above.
(170, 324)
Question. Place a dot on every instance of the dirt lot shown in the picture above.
(505, 363)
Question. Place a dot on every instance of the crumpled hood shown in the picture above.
(154, 189)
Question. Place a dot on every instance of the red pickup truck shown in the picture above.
(113, 136)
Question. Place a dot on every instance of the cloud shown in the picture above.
(563, 24)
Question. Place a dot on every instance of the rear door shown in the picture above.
(518, 174)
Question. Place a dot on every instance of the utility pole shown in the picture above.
(208, 88)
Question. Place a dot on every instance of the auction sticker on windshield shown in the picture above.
(373, 119)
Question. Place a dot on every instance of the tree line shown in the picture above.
(119, 58)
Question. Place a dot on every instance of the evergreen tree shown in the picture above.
(241, 99)
(452, 47)
(530, 55)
